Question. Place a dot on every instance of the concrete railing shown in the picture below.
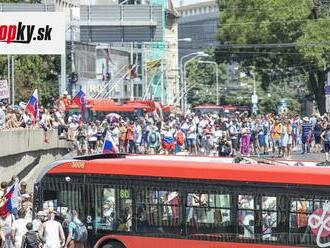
(16, 141)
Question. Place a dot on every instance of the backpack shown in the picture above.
(153, 138)
(32, 240)
(179, 138)
(80, 232)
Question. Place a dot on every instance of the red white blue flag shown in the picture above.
(80, 100)
(7, 200)
(109, 145)
(33, 106)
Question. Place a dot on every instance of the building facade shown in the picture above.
(200, 23)
(145, 30)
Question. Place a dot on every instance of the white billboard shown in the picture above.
(4, 89)
(32, 33)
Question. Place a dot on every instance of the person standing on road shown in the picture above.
(130, 137)
(53, 233)
(317, 131)
(325, 136)
(306, 133)
(31, 238)
(19, 229)
(154, 140)
(77, 232)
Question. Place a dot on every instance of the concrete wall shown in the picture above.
(23, 152)
(27, 140)
(27, 166)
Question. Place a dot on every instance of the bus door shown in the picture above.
(63, 194)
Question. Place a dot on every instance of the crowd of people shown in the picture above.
(19, 230)
(205, 134)
(193, 133)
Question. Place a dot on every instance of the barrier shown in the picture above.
(17, 141)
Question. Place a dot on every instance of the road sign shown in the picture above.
(4, 89)
(254, 99)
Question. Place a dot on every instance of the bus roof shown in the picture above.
(195, 168)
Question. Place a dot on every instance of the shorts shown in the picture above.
(317, 140)
(276, 142)
(191, 142)
(262, 140)
(327, 146)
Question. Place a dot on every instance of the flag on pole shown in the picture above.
(7, 201)
(109, 145)
(80, 100)
(33, 106)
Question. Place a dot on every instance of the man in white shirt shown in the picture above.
(18, 229)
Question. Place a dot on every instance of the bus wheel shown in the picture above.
(113, 244)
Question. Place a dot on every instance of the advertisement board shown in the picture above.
(32, 33)
(4, 89)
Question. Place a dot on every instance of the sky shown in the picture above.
(186, 2)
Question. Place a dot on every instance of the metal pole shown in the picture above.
(72, 44)
(131, 80)
(254, 84)
(8, 76)
(181, 83)
(184, 86)
(327, 95)
(13, 79)
(217, 81)
(62, 87)
(162, 83)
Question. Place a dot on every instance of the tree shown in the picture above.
(201, 80)
(277, 34)
(34, 71)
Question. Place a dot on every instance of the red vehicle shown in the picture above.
(166, 201)
(100, 108)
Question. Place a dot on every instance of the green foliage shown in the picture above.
(34, 72)
(299, 30)
(201, 80)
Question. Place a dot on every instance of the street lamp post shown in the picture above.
(216, 76)
(181, 88)
(254, 97)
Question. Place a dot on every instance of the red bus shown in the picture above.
(166, 201)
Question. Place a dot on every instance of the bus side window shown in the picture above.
(116, 212)
(208, 213)
(269, 217)
(246, 216)
(157, 211)
(300, 211)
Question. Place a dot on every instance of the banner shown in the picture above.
(32, 33)
(4, 89)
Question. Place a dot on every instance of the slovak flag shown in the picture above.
(80, 99)
(109, 145)
(6, 202)
(32, 106)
